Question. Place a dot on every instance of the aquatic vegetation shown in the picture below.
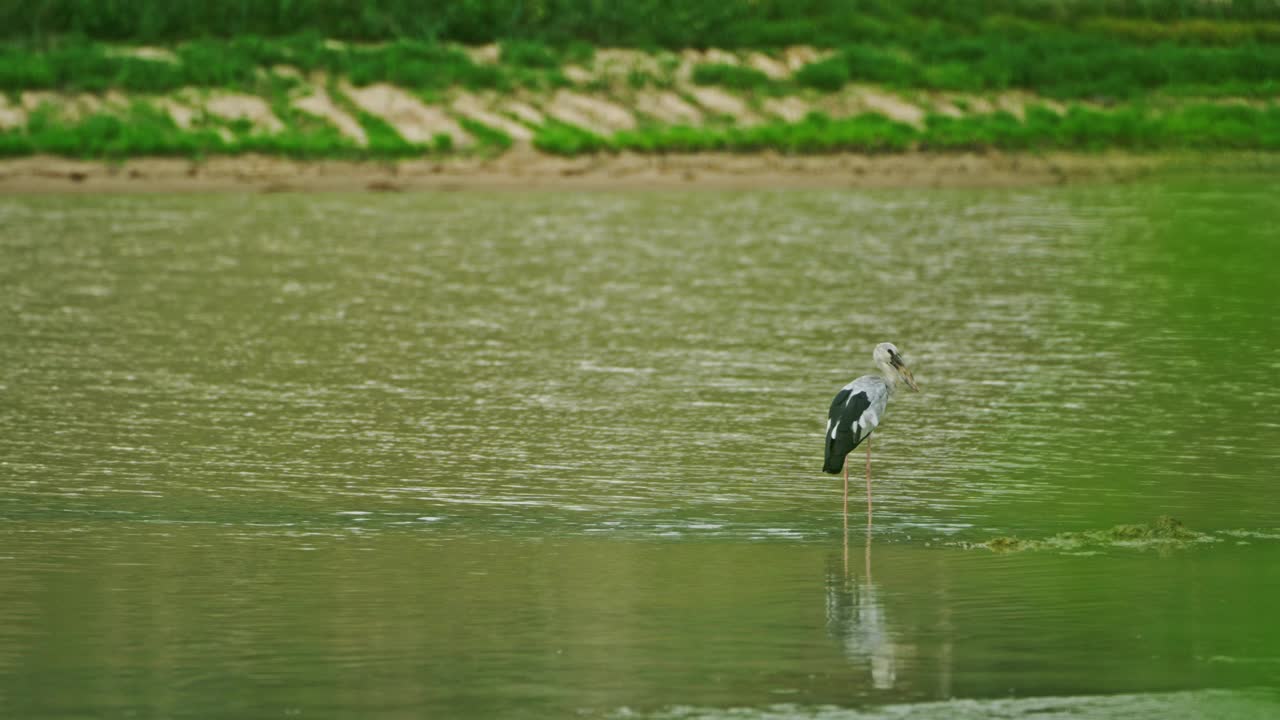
(1163, 531)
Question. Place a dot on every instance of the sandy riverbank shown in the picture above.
(528, 170)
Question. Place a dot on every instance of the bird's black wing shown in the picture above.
(843, 433)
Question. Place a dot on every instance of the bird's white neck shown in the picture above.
(891, 378)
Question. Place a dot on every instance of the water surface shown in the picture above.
(558, 455)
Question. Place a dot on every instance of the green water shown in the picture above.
(558, 455)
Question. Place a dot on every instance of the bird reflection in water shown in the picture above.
(856, 617)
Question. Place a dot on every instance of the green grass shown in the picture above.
(1063, 66)
(730, 76)
(1184, 32)
(868, 133)
(530, 54)
(829, 75)
(79, 66)
(146, 131)
(1196, 127)
(560, 138)
(142, 130)
(488, 138)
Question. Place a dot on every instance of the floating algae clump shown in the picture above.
(1162, 528)
(1164, 531)
(1005, 544)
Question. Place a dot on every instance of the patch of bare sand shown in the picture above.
(855, 100)
(32, 100)
(1016, 102)
(319, 104)
(790, 108)
(667, 107)
(238, 106)
(416, 121)
(477, 108)
(11, 116)
(577, 74)
(797, 56)
(287, 71)
(622, 61)
(484, 54)
(719, 102)
(615, 66)
(774, 68)
(70, 106)
(143, 52)
(688, 59)
(182, 114)
(114, 99)
(944, 106)
(891, 106)
(717, 56)
(864, 99)
(590, 113)
(522, 111)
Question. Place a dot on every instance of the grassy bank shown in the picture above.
(387, 79)
(1194, 127)
(144, 131)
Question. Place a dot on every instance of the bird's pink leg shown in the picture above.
(846, 492)
(868, 479)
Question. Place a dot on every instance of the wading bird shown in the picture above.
(856, 411)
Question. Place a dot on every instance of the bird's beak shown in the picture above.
(905, 372)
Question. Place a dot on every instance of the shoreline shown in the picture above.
(529, 170)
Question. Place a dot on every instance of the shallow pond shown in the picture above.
(480, 455)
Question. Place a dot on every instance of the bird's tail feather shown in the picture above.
(833, 462)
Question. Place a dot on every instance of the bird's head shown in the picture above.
(891, 363)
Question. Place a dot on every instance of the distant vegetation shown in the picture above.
(1058, 65)
(646, 23)
(78, 64)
